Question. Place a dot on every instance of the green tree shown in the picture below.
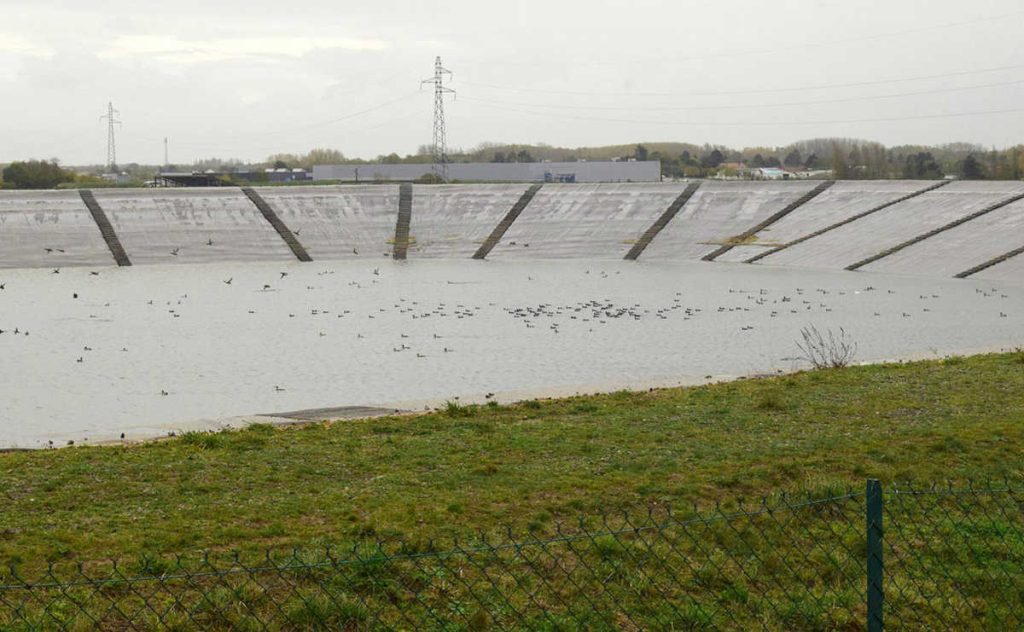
(970, 168)
(811, 162)
(35, 174)
(713, 159)
(640, 153)
(793, 159)
(840, 169)
(922, 166)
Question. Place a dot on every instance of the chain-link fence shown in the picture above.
(922, 559)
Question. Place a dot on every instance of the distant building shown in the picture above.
(582, 171)
(772, 173)
(211, 178)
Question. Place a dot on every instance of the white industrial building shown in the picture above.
(582, 171)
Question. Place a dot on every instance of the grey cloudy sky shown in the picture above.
(244, 79)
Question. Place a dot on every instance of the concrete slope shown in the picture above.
(952, 251)
(894, 225)
(339, 222)
(32, 221)
(844, 199)
(450, 221)
(719, 212)
(593, 221)
(190, 225)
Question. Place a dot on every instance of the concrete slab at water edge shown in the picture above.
(718, 212)
(961, 248)
(894, 225)
(49, 229)
(450, 221)
(200, 225)
(844, 199)
(339, 222)
(585, 221)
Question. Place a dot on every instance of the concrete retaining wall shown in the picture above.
(32, 221)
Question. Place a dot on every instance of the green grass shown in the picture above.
(468, 468)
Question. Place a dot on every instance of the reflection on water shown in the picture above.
(144, 350)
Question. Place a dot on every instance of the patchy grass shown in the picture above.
(466, 468)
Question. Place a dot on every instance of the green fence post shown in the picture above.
(874, 554)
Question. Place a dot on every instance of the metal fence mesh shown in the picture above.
(953, 560)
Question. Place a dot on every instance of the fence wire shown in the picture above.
(952, 561)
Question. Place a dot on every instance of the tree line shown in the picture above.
(839, 158)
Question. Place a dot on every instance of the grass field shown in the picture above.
(465, 469)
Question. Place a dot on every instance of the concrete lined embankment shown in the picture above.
(917, 227)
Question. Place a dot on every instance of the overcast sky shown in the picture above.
(250, 78)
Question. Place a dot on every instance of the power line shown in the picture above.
(764, 123)
(715, 55)
(744, 106)
(824, 86)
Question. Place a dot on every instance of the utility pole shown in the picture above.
(111, 149)
(440, 147)
(166, 162)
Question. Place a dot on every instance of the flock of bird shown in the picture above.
(748, 306)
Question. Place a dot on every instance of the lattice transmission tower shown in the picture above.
(440, 147)
(111, 147)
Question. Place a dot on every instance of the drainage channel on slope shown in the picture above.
(852, 218)
(660, 223)
(936, 231)
(803, 199)
(106, 229)
(506, 222)
(286, 234)
(991, 262)
(401, 247)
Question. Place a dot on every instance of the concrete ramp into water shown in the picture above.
(190, 225)
(719, 214)
(339, 222)
(591, 221)
(894, 225)
(40, 229)
(452, 221)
